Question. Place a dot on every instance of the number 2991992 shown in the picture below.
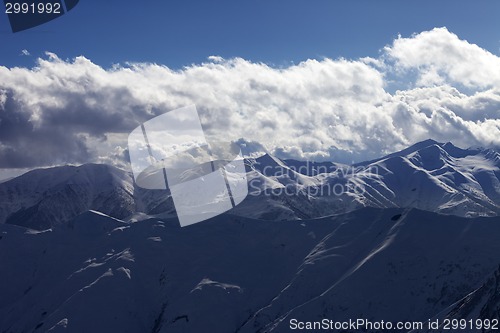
(32, 8)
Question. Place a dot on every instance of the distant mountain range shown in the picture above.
(431, 176)
(408, 237)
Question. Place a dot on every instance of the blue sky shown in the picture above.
(279, 32)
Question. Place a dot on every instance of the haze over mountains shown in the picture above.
(407, 237)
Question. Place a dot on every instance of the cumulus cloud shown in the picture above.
(439, 56)
(74, 111)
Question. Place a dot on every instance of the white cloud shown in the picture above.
(445, 114)
(76, 111)
(215, 58)
(439, 56)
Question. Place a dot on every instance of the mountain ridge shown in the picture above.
(438, 177)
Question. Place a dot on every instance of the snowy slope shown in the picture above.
(442, 178)
(234, 274)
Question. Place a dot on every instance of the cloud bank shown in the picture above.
(74, 111)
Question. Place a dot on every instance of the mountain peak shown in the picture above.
(405, 152)
(43, 198)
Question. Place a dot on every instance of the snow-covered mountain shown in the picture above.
(234, 274)
(430, 176)
(43, 198)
